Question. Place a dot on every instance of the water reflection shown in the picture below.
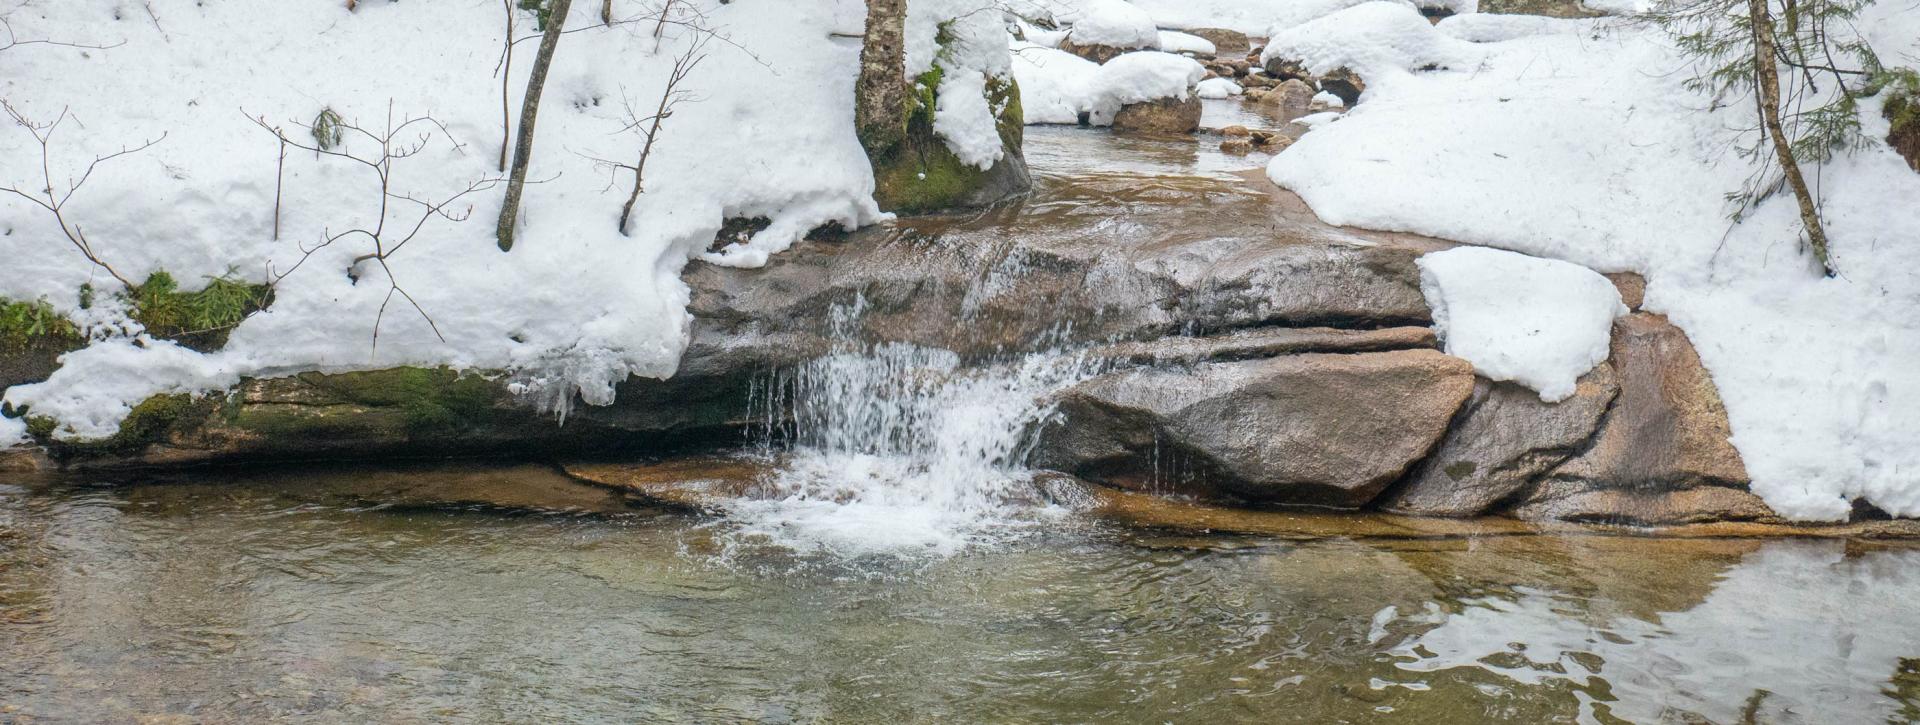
(287, 596)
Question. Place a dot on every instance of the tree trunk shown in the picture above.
(529, 109)
(880, 96)
(1767, 83)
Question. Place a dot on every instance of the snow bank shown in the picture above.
(1114, 23)
(1140, 76)
(1374, 39)
(91, 391)
(1291, 15)
(1217, 88)
(1053, 83)
(1538, 322)
(201, 202)
(1588, 149)
(1173, 41)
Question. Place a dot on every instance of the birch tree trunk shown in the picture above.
(529, 109)
(1766, 73)
(880, 95)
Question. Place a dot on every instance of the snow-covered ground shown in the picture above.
(765, 131)
(1575, 140)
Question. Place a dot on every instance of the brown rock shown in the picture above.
(1165, 115)
(1252, 94)
(1238, 146)
(1632, 286)
(1225, 42)
(1258, 81)
(1668, 429)
(1567, 501)
(1095, 53)
(1235, 131)
(23, 460)
(1287, 69)
(1505, 438)
(1345, 83)
(1290, 99)
(1316, 429)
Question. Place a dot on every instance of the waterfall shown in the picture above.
(898, 448)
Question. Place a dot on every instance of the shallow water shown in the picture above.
(509, 594)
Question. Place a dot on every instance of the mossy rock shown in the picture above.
(922, 175)
(151, 421)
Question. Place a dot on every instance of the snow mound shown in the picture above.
(90, 391)
(1247, 16)
(1541, 323)
(1331, 100)
(1053, 83)
(1173, 41)
(1374, 39)
(1217, 88)
(1139, 77)
(975, 49)
(1115, 24)
(965, 120)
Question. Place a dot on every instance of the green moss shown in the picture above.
(41, 427)
(923, 174)
(24, 324)
(149, 422)
(200, 320)
(428, 401)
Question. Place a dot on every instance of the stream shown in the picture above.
(470, 592)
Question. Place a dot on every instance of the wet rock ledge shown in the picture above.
(1256, 358)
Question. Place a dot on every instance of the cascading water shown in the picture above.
(895, 448)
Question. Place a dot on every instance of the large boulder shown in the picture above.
(1315, 429)
(1164, 115)
(1668, 430)
(1586, 503)
(1505, 438)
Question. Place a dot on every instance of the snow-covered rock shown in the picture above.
(1114, 24)
(96, 387)
(1140, 77)
(1217, 88)
(1173, 41)
(1541, 323)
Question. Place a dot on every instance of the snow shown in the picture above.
(1053, 83)
(1487, 28)
(1291, 15)
(976, 49)
(200, 202)
(963, 118)
(1538, 322)
(1331, 100)
(1138, 77)
(13, 432)
(1584, 146)
(1114, 23)
(1217, 88)
(1173, 41)
(1377, 40)
(89, 393)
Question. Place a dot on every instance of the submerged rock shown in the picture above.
(1504, 439)
(1163, 115)
(1315, 429)
(1290, 99)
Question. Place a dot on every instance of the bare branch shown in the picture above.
(56, 204)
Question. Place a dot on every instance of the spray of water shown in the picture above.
(899, 449)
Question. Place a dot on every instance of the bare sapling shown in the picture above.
(649, 127)
(401, 215)
(55, 202)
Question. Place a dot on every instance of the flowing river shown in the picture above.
(467, 592)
